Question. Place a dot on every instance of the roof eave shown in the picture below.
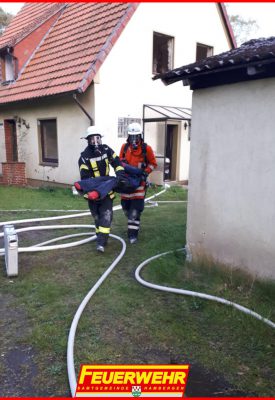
(107, 47)
(233, 74)
(34, 99)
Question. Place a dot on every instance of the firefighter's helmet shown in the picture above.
(134, 134)
(93, 135)
(134, 129)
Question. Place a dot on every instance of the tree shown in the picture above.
(243, 28)
(5, 19)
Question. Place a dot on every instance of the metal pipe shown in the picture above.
(83, 109)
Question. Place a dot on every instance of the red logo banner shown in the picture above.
(154, 381)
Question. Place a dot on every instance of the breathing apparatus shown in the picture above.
(134, 135)
(94, 137)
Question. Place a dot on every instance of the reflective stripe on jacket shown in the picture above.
(136, 159)
(94, 162)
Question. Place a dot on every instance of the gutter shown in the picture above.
(255, 68)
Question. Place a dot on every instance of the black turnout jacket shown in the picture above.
(95, 161)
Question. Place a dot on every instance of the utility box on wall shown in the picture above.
(11, 250)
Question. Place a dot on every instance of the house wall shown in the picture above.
(125, 78)
(231, 213)
(71, 126)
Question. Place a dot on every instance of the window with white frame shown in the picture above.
(163, 53)
(123, 124)
(47, 130)
(203, 51)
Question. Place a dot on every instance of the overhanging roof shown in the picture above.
(254, 59)
(153, 113)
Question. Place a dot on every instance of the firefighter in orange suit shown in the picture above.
(137, 154)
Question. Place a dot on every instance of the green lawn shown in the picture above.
(125, 322)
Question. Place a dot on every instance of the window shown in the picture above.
(123, 124)
(203, 51)
(48, 141)
(163, 53)
(9, 68)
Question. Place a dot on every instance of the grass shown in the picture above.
(126, 322)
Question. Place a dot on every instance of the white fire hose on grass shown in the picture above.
(195, 294)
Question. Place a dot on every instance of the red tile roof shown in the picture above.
(29, 18)
(71, 52)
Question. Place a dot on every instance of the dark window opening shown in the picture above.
(48, 141)
(9, 68)
(203, 51)
(163, 53)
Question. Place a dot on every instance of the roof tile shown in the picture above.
(30, 17)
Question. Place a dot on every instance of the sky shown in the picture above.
(262, 12)
(12, 8)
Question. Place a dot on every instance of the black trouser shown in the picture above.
(102, 211)
(133, 209)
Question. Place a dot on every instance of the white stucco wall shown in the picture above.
(125, 78)
(71, 126)
(231, 213)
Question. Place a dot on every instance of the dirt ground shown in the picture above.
(19, 371)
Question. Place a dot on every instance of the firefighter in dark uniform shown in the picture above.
(94, 161)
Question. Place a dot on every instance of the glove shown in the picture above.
(121, 172)
(145, 175)
(78, 187)
(121, 175)
(94, 195)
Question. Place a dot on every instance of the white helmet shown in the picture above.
(134, 135)
(93, 136)
(134, 129)
(92, 130)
